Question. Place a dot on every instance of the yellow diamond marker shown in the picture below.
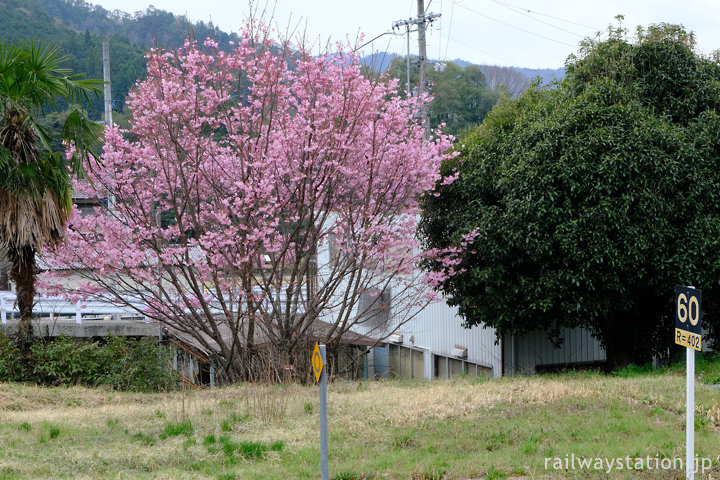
(317, 362)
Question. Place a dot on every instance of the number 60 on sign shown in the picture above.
(688, 314)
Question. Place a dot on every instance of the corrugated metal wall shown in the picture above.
(526, 352)
(439, 329)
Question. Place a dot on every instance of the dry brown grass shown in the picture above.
(400, 429)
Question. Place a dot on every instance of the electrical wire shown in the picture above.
(545, 15)
(521, 12)
(514, 26)
(439, 57)
(479, 50)
(447, 44)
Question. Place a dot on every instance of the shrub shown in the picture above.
(118, 362)
(11, 364)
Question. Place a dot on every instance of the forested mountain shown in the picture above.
(381, 61)
(546, 75)
(463, 92)
(78, 28)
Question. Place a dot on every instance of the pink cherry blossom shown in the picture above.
(258, 194)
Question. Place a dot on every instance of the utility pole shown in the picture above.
(106, 78)
(421, 21)
(422, 46)
(108, 104)
(406, 24)
(422, 51)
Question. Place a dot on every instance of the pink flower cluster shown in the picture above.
(239, 160)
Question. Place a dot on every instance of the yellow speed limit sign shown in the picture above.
(688, 316)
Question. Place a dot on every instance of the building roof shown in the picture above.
(318, 332)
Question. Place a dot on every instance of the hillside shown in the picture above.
(381, 61)
(546, 75)
(78, 28)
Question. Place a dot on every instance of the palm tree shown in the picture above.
(35, 182)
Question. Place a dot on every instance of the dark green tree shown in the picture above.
(35, 185)
(461, 96)
(587, 203)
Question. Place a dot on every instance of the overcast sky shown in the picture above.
(525, 33)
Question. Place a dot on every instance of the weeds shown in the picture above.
(174, 429)
(435, 430)
(248, 450)
(353, 476)
(268, 404)
(495, 474)
(144, 439)
(233, 419)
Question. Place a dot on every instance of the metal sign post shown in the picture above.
(78, 313)
(688, 331)
(690, 415)
(318, 364)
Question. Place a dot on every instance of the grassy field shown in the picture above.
(458, 429)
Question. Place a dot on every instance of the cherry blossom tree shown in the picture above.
(260, 197)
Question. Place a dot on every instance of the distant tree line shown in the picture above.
(462, 96)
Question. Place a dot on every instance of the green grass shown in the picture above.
(174, 429)
(707, 368)
(457, 429)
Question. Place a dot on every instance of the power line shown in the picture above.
(545, 15)
(521, 12)
(479, 50)
(513, 26)
(440, 30)
(447, 44)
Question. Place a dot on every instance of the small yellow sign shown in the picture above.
(317, 362)
(688, 339)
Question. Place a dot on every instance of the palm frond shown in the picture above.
(35, 183)
(42, 132)
(17, 133)
(79, 89)
(84, 135)
(6, 163)
(56, 179)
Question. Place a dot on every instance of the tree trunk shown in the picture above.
(626, 339)
(4, 280)
(616, 352)
(23, 274)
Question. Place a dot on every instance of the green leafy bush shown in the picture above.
(11, 364)
(117, 362)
